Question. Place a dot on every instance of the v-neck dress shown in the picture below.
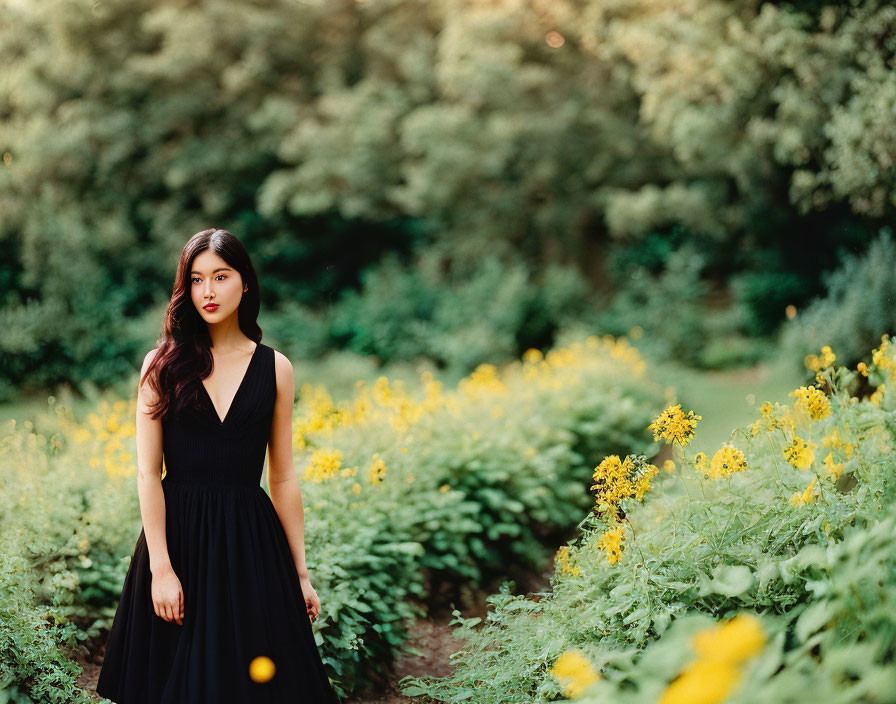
(242, 595)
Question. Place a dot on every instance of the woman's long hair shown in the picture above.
(184, 356)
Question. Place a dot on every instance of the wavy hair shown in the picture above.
(184, 357)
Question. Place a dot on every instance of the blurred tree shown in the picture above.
(327, 133)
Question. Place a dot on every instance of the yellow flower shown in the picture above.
(616, 479)
(800, 453)
(825, 360)
(726, 461)
(323, 465)
(611, 543)
(806, 496)
(835, 469)
(814, 402)
(700, 462)
(772, 417)
(377, 471)
(702, 682)
(565, 562)
(731, 642)
(669, 466)
(674, 425)
(573, 668)
(862, 368)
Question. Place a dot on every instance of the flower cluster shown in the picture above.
(575, 670)
(881, 357)
(564, 561)
(813, 402)
(616, 479)
(726, 461)
(673, 424)
(806, 496)
(834, 440)
(818, 362)
(800, 453)
(377, 471)
(323, 465)
(773, 417)
(835, 469)
(722, 651)
(611, 543)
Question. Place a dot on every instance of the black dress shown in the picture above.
(242, 596)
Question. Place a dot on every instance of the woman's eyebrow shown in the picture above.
(221, 268)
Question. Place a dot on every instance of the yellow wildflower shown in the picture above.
(377, 471)
(702, 682)
(800, 453)
(565, 562)
(575, 670)
(323, 465)
(611, 543)
(722, 649)
(616, 479)
(700, 462)
(862, 368)
(733, 641)
(727, 460)
(835, 469)
(806, 496)
(673, 424)
(669, 466)
(814, 402)
(825, 360)
(772, 417)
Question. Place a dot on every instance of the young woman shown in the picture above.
(217, 603)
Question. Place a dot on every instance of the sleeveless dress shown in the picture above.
(242, 596)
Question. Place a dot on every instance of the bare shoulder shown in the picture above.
(148, 357)
(283, 370)
(145, 392)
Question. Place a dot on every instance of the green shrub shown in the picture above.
(471, 478)
(858, 305)
(813, 559)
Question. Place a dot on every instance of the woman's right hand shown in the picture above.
(168, 596)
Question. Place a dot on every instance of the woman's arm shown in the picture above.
(167, 593)
(149, 475)
(282, 480)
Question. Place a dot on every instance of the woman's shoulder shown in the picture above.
(283, 371)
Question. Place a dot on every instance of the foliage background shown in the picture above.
(595, 138)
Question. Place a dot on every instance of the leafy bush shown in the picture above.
(745, 532)
(402, 493)
(460, 317)
(859, 303)
(668, 307)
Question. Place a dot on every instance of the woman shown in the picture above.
(217, 603)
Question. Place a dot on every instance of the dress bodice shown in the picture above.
(200, 448)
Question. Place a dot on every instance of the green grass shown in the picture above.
(727, 399)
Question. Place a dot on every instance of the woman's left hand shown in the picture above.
(312, 601)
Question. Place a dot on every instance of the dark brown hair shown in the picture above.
(184, 356)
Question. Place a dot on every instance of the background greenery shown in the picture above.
(512, 163)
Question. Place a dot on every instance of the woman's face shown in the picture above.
(214, 281)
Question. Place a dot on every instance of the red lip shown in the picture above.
(210, 306)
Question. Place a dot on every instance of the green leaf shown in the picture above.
(731, 580)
